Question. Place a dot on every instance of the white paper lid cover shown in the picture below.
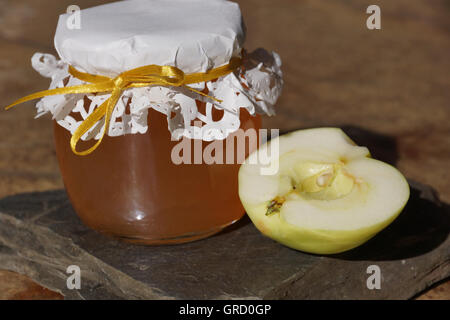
(193, 35)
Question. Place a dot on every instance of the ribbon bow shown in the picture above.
(151, 75)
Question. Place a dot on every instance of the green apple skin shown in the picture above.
(316, 241)
(312, 241)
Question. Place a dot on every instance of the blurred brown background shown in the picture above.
(388, 88)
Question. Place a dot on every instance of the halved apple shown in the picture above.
(326, 197)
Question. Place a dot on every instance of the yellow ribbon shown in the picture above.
(151, 75)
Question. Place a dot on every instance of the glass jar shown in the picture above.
(155, 61)
(131, 189)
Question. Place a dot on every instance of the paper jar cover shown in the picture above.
(193, 35)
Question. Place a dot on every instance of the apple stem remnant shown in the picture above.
(275, 205)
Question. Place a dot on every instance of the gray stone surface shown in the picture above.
(40, 235)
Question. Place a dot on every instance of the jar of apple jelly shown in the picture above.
(152, 101)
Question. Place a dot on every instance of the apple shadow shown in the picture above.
(381, 147)
(423, 225)
(424, 222)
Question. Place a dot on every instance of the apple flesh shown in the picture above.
(327, 196)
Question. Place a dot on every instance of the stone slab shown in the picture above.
(40, 236)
